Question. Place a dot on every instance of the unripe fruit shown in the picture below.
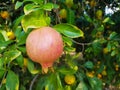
(44, 46)
(63, 13)
(99, 14)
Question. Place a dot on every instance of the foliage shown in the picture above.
(91, 44)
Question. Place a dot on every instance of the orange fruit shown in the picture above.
(4, 14)
(11, 35)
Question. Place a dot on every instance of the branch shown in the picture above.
(33, 81)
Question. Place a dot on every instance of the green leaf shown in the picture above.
(97, 47)
(31, 67)
(35, 19)
(67, 87)
(81, 86)
(69, 49)
(108, 20)
(70, 16)
(89, 65)
(96, 84)
(30, 8)
(11, 55)
(16, 23)
(69, 30)
(2, 71)
(48, 6)
(20, 60)
(12, 81)
(3, 35)
(87, 17)
(18, 4)
(67, 40)
(65, 71)
(114, 36)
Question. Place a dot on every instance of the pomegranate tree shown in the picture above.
(44, 46)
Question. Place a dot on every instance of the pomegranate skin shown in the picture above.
(44, 46)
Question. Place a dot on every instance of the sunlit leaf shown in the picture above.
(18, 4)
(82, 86)
(69, 30)
(35, 19)
(11, 55)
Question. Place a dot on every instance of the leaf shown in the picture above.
(2, 71)
(87, 17)
(12, 81)
(69, 49)
(35, 19)
(70, 16)
(89, 65)
(30, 8)
(67, 40)
(108, 20)
(96, 84)
(65, 71)
(48, 6)
(69, 30)
(31, 68)
(11, 55)
(20, 60)
(18, 4)
(81, 86)
(97, 47)
(3, 35)
(114, 36)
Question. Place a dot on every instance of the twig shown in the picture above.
(4, 75)
(57, 13)
(82, 44)
(33, 81)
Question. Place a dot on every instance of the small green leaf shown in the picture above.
(69, 49)
(87, 17)
(67, 40)
(69, 30)
(65, 71)
(30, 8)
(67, 87)
(18, 4)
(82, 86)
(89, 65)
(11, 55)
(108, 20)
(12, 81)
(20, 60)
(48, 6)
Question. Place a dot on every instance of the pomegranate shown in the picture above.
(44, 46)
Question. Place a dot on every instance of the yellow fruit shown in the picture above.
(90, 74)
(99, 14)
(70, 79)
(25, 61)
(99, 76)
(69, 3)
(4, 14)
(63, 13)
(98, 62)
(105, 50)
(11, 35)
(75, 68)
(116, 68)
(104, 73)
(93, 3)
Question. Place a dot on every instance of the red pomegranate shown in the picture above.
(44, 46)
